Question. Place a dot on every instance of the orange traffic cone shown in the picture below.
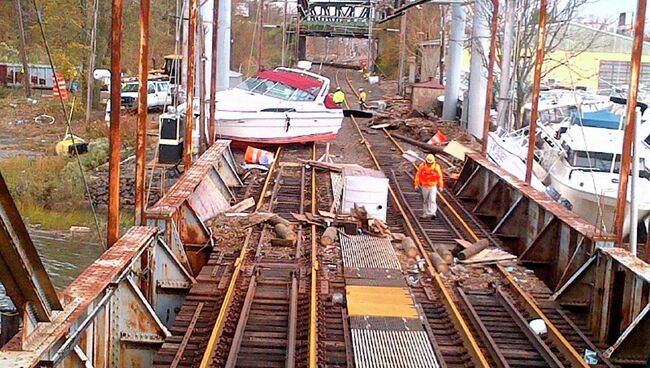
(257, 156)
(438, 138)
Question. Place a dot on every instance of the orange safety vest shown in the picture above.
(429, 175)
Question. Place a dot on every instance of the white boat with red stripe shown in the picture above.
(277, 107)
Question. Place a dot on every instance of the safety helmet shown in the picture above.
(360, 89)
(430, 158)
(338, 88)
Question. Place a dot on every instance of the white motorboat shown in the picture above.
(582, 160)
(278, 106)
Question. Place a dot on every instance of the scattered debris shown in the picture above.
(473, 249)
(330, 235)
(489, 256)
(242, 206)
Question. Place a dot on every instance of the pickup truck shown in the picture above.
(159, 95)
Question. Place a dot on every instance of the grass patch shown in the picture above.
(49, 190)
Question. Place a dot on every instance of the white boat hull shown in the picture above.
(586, 203)
(278, 128)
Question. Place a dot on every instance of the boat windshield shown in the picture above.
(130, 87)
(597, 161)
(275, 89)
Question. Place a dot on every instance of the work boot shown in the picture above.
(424, 215)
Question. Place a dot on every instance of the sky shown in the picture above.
(609, 8)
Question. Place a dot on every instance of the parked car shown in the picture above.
(159, 95)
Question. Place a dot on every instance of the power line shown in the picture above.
(68, 118)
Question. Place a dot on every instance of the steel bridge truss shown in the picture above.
(609, 285)
(118, 311)
(335, 19)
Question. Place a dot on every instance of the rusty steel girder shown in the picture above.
(547, 237)
(612, 289)
(21, 270)
(200, 194)
(107, 319)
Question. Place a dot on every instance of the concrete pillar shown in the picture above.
(223, 50)
(478, 68)
(411, 61)
(453, 63)
(207, 14)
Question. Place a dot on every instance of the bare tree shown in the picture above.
(560, 36)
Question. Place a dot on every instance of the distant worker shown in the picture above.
(339, 96)
(429, 178)
(363, 97)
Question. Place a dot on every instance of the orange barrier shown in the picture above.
(438, 138)
(257, 156)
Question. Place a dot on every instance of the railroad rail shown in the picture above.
(255, 312)
(455, 221)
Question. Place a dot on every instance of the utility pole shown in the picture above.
(628, 135)
(260, 28)
(284, 35)
(91, 60)
(201, 78)
(113, 226)
(402, 54)
(506, 62)
(454, 58)
(537, 79)
(23, 45)
(371, 18)
(191, 70)
(141, 135)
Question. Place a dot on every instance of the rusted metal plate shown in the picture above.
(207, 201)
(21, 270)
(630, 261)
(93, 283)
(187, 184)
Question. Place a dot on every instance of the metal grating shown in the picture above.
(337, 189)
(374, 348)
(385, 323)
(362, 251)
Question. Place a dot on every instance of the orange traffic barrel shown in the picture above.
(438, 138)
(257, 156)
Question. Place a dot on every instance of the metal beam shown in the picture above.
(635, 72)
(400, 10)
(21, 270)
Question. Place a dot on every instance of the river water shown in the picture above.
(64, 259)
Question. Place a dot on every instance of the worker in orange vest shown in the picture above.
(429, 177)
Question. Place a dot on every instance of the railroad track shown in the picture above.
(270, 282)
(482, 308)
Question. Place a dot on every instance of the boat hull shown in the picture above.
(586, 203)
(267, 128)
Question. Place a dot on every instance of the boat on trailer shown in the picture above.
(279, 106)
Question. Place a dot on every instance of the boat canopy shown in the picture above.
(295, 80)
(597, 119)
